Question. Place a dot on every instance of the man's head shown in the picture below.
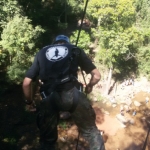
(61, 39)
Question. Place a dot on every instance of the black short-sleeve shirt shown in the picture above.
(52, 59)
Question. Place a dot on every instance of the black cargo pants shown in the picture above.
(83, 116)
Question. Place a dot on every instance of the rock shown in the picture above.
(128, 101)
(131, 121)
(123, 125)
(72, 131)
(127, 108)
(64, 115)
(148, 91)
(101, 132)
(147, 99)
(104, 101)
(108, 104)
(26, 147)
(95, 99)
(136, 103)
(122, 101)
(121, 108)
(112, 100)
(122, 113)
(104, 112)
(114, 105)
(62, 139)
(143, 118)
(121, 118)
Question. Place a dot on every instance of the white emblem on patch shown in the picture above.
(56, 53)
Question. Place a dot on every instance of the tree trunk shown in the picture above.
(108, 81)
(115, 89)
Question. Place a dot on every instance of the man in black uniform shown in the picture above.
(56, 66)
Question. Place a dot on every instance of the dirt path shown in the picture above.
(18, 129)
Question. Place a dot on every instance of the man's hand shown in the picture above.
(88, 89)
(31, 108)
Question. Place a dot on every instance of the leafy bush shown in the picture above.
(19, 39)
(143, 59)
(84, 40)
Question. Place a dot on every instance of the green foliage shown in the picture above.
(143, 56)
(84, 40)
(120, 29)
(76, 6)
(19, 39)
(63, 124)
(3, 57)
(8, 9)
(118, 38)
(16, 72)
(62, 25)
(142, 23)
(115, 44)
(112, 13)
(146, 35)
(9, 140)
(142, 12)
(20, 35)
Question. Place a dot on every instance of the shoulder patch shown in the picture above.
(56, 53)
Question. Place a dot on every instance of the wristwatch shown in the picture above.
(28, 102)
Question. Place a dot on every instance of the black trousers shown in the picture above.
(47, 120)
(83, 116)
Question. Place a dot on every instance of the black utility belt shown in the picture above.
(65, 79)
(58, 82)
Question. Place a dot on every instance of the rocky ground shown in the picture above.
(121, 116)
(125, 112)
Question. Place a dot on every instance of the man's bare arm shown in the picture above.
(27, 89)
(95, 77)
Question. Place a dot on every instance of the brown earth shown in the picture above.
(18, 129)
(131, 137)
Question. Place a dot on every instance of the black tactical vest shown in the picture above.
(57, 61)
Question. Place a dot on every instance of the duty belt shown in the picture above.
(48, 92)
(44, 93)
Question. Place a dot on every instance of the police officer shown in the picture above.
(57, 65)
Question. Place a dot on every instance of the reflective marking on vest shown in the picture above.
(56, 53)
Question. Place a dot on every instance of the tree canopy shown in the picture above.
(118, 28)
